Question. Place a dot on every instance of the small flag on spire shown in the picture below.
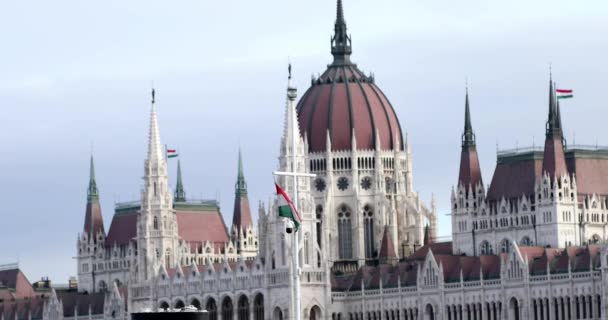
(564, 93)
(172, 153)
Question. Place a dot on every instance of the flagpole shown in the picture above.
(294, 281)
(296, 241)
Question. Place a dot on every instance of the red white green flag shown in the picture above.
(287, 209)
(564, 93)
(172, 153)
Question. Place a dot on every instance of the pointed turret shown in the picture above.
(428, 238)
(387, 254)
(470, 171)
(154, 145)
(241, 218)
(180, 193)
(554, 161)
(93, 221)
(92, 190)
(341, 46)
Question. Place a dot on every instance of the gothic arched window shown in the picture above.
(505, 246)
(103, 287)
(345, 249)
(211, 308)
(368, 218)
(258, 307)
(486, 248)
(243, 308)
(227, 309)
(155, 223)
(526, 241)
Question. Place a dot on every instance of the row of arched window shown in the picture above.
(226, 310)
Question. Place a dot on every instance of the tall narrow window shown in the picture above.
(306, 252)
(368, 218)
(345, 249)
(155, 223)
(319, 225)
(168, 259)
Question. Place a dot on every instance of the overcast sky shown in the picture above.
(78, 73)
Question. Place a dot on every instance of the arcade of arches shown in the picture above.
(244, 309)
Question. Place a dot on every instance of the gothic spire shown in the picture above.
(428, 239)
(241, 186)
(553, 120)
(387, 254)
(180, 193)
(242, 213)
(155, 153)
(470, 171)
(468, 137)
(554, 161)
(93, 220)
(92, 192)
(341, 46)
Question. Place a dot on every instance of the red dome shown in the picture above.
(344, 100)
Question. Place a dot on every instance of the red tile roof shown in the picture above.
(515, 176)
(342, 101)
(470, 171)
(93, 221)
(123, 228)
(196, 224)
(197, 227)
(554, 161)
(15, 280)
(387, 247)
(78, 302)
(23, 309)
(591, 172)
(241, 217)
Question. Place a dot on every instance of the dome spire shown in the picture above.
(341, 46)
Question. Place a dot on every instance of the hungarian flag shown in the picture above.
(172, 153)
(286, 207)
(564, 93)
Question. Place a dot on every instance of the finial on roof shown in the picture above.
(92, 192)
(180, 193)
(241, 186)
(341, 42)
(553, 120)
(292, 91)
(153, 96)
(468, 136)
(427, 236)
